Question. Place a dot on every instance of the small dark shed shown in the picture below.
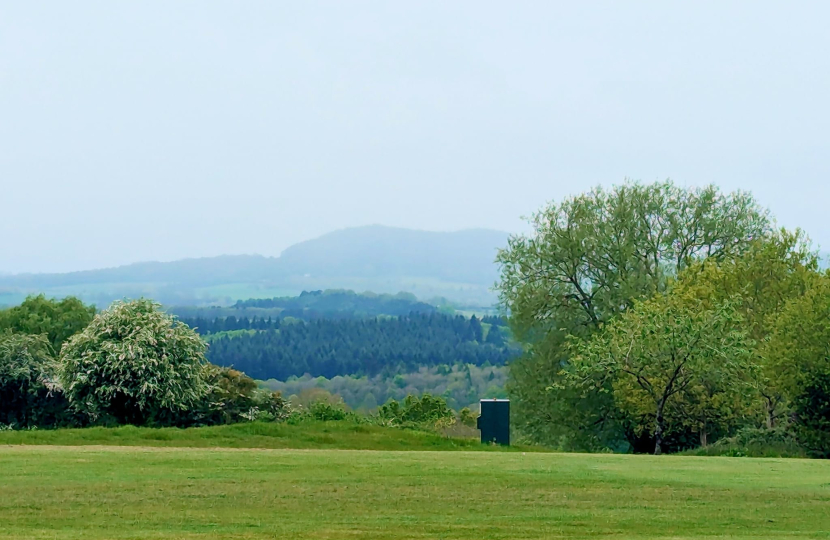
(494, 421)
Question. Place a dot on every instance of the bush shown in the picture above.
(427, 409)
(326, 412)
(29, 395)
(232, 397)
(467, 417)
(132, 364)
(754, 442)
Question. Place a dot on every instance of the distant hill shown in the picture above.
(458, 266)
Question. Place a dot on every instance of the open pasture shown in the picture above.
(98, 492)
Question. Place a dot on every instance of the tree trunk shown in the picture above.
(770, 414)
(658, 430)
(704, 437)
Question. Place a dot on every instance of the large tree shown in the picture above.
(58, 320)
(668, 354)
(133, 363)
(590, 258)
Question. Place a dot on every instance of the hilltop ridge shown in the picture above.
(456, 265)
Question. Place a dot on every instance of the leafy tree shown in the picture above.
(27, 370)
(589, 259)
(133, 363)
(774, 270)
(58, 320)
(798, 356)
(660, 351)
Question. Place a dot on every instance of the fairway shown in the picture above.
(123, 492)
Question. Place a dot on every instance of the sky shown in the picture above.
(157, 130)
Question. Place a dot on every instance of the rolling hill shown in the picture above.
(458, 266)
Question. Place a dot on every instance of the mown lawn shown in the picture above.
(92, 492)
(344, 435)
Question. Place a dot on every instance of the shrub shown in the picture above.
(326, 411)
(133, 363)
(467, 417)
(427, 409)
(29, 395)
(754, 442)
(231, 397)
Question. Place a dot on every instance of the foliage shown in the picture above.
(231, 397)
(416, 410)
(754, 442)
(324, 411)
(661, 352)
(797, 353)
(812, 411)
(774, 270)
(460, 385)
(28, 394)
(133, 363)
(590, 258)
(467, 417)
(58, 320)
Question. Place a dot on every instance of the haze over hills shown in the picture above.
(458, 266)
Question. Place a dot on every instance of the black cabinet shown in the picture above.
(494, 421)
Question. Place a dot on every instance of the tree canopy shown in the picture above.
(798, 356)
(589, 259)
(58, 320)
(661, 357)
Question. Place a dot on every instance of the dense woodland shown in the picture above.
(275, 349)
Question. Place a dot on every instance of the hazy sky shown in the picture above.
(159, 130)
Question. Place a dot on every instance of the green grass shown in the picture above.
(140, 493)
(308, 434)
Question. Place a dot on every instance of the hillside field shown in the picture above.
(114, 492)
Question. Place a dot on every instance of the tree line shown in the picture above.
(459, 385)
(334, 347)
(339, 304)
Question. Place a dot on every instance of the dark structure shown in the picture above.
(494, 421)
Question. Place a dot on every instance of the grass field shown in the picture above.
(344, 435)
(96, 492)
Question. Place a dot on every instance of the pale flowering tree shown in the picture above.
(26, 369)
(132, 363)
